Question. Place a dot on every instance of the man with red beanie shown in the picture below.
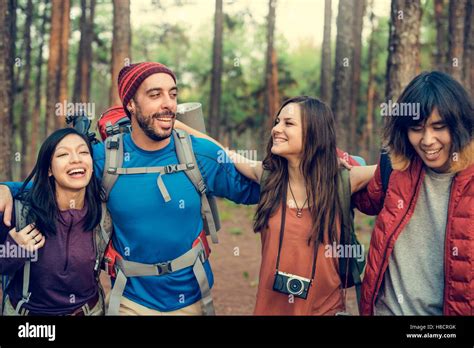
(152, 229)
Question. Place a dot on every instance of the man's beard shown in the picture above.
(146, 124)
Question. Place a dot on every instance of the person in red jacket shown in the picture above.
(421, 259)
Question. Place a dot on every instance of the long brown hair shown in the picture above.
(319, 166)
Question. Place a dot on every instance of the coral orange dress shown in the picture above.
(297, 257)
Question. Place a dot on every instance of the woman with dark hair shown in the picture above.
(55, 251)
(299, 213)
(420, 259)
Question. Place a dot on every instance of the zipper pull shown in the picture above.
(96, 267)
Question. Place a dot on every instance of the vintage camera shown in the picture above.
(291, 284)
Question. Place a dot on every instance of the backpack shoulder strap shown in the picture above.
(20, 222)
(20, 215)
(102, 236)
(385, 169)
(113, 160)
(344, 194)
(349, 267)
(185, 154)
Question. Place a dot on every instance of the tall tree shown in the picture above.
(469, 48)
(25, 115)
(63, 83)
(369, 135)
(341, 96)
(359, 11)
(57, 64)
(216, 81)
(326, 73)
(121, 42)
(7, 23)
(404, 45)
(36, 112)
(82, 83)
(457, 12)
(271, 91)
(441, 52)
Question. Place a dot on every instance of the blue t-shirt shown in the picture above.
(150, 230)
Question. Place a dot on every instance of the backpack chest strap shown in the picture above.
(168, 169)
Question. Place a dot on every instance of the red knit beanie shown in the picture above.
(132, 76)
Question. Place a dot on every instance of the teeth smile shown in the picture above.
(76, 171)
(432, 152)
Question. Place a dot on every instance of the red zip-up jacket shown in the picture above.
(395, 212)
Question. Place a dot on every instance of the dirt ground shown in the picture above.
(236, 261)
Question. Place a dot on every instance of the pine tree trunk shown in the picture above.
(326, 75)
(274, 95)
(35, 121)
(457, 15)
(6, 92)
(404, 45)
(468, 72)
(63, 82)
(84, 56)
(341, 96)
(441, 20)
(57, 65)
(369, 138)
(269, 97)
(25, 115)
(359, 11)
(215, 110)
(121, 42)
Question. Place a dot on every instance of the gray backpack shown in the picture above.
(122, 269)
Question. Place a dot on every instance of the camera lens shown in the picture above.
(295, 286)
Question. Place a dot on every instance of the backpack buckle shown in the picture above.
(202, 187)
(171, 168)
(113, 144)
(202, 255)
(112, 170)
(164, 267)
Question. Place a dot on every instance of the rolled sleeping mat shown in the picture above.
(191, 115)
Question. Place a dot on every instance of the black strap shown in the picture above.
(385, 169)
(282, 232)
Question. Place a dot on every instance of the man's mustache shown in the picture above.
(169, 114)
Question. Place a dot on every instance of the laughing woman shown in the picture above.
(299, 211)
(61, 208)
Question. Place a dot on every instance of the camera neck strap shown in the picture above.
(282, 232)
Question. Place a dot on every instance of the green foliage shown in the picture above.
(236, 231)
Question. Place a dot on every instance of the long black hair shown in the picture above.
(40, 199)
